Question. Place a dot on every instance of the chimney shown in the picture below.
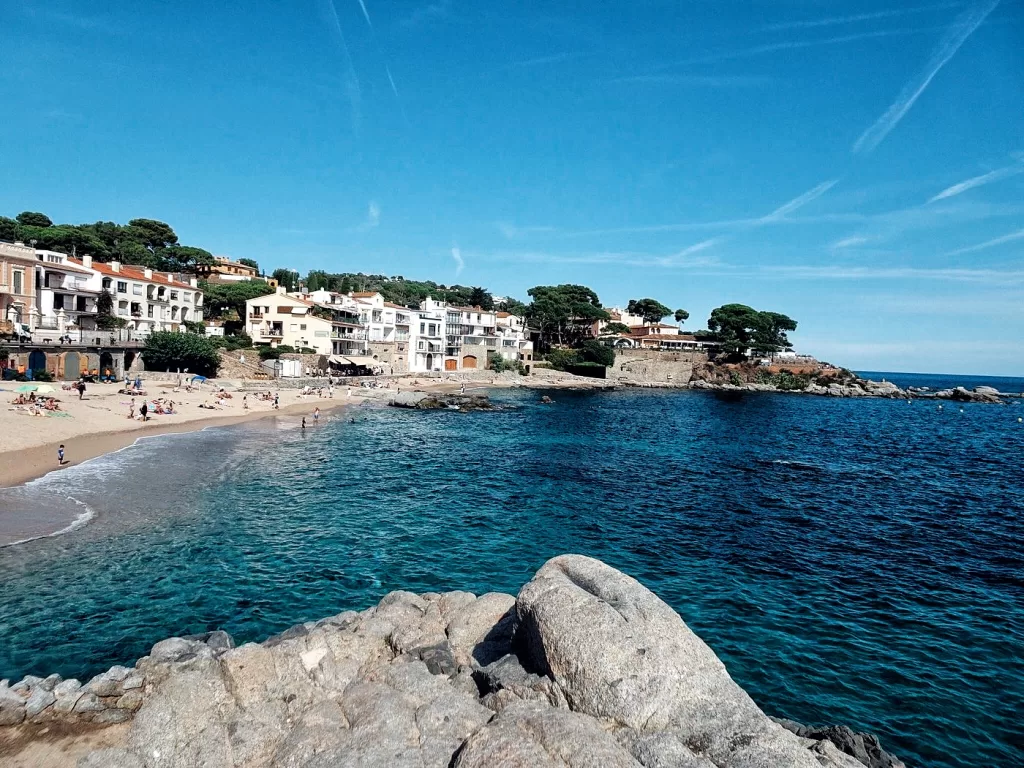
(87, 261)
(170, 278)
(148, 273)
(115, 266)
(281, 290)
(194, 282)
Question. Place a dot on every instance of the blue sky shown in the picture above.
(858, 166)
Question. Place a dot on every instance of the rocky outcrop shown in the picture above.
(977, 395)
(585, 668)
(436, 401)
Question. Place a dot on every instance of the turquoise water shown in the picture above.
(851, 561)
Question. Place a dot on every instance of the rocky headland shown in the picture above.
(586, 667)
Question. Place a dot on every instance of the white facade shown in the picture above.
(66, 294)
(147, 300)
(426, 340)
(283, 318)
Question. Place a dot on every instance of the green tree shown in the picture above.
(681, 316)
(8, 229)
(513, 307)
(34, 219)
(770, 332)
(478, 297)
(169, 351)
(317, 279)
(250, 263)
(564, 313)
(183, 258)
(106, 320)
(651, 310)
(287, 278)
(226, 301)
(616, 328)
(152, 233)
(733, 325)
(595, 352)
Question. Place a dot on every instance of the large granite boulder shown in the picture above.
(621, 654)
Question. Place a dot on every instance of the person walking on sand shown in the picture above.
(131, 409)
(81, 389)
(277, 399)
(316, 415)
(144, 410)
(245, 402)
(60, 455)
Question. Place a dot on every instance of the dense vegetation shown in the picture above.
(170, 351)
(738, 328)
(145, 242)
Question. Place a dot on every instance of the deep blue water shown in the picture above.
(851, 561)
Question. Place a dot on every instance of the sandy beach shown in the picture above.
(99, 423)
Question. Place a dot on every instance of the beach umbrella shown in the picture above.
(44, 388)
(27, 388)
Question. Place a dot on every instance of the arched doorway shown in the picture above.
(468, 361)
(129, 358)
(37, 361)
(107, 364)
(72, 366)
(430, 361)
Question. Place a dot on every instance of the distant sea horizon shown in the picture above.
(903, 379)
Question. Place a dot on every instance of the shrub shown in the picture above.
(195, 326)
(270, 353)
(561, 359)
(499, 364)
(167, 351)
(42, 374)
(597, 353)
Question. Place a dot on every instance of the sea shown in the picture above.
(851, 561)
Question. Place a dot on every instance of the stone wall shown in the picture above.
(392, 355)
(650, 366)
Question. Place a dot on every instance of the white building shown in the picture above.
(146, 299)
(427, 339)
(66, 294)
(291, 320)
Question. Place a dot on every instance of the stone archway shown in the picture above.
(468, 362)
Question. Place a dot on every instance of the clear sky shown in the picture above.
(858, 166)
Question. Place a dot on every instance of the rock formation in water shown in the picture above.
(585, 668)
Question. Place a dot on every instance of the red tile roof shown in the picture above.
(364, 294)
(130, 272)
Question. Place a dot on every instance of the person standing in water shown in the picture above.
(316, 415)
(303, 423)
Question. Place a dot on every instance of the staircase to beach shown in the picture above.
(232, 367)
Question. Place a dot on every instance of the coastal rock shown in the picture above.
(586, 667)
(12, 705)
(962, 395)
(436, 401)
(618, 652)
(863, 747)
(535, 736)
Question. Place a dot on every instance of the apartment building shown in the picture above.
(148, 300)
(67, 294)
(295, 321)
(226, 270)
(17, 287)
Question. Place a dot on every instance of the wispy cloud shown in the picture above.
(1010, 238)
(963, 28)
(841, 272)
(979, 181)
(849, 242)
(831, 21)
(512, 232)
(428, 12)
(699, 81)
(366, 13)
(789, 45)
(460, 263)
(799, 202)
(353, 90)
(372, 220)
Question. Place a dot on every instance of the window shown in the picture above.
(136, 289)
(423, 327)
(122, 287)
(433, 330)
(19, 281)
(149, 311)
(174, 295)
(302, 327)
(58, 301)
(186, 296)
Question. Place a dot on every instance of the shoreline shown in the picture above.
(18, 467)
